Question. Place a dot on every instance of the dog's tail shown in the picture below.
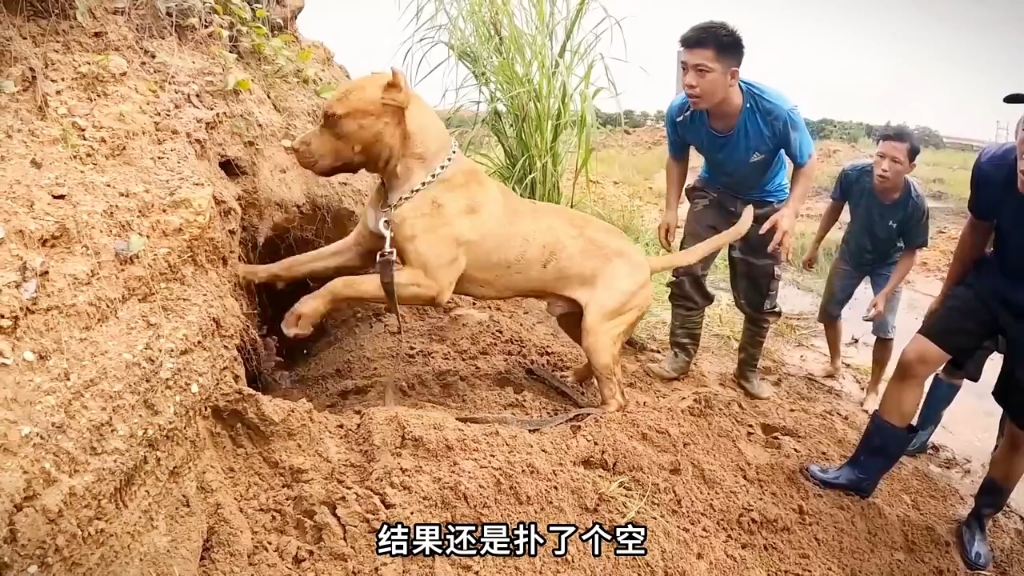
(697, 252)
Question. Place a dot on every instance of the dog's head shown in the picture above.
(363, 127)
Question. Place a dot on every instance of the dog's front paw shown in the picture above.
(300, 321)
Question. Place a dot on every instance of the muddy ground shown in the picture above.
(135, 440)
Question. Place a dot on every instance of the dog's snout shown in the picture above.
(301, 148)
(300, 143)
(304, 158)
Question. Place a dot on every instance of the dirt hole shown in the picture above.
(265, 360)
(232, 169)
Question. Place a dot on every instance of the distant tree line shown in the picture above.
(822, 129)
(852, 132)
(630, 118)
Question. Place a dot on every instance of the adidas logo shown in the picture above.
(757, 156)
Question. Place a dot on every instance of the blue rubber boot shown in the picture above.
(880, 448)
(940, 395)
(972, 535)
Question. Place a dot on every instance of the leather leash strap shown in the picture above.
(386, 269)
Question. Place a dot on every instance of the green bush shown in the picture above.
(534, 73)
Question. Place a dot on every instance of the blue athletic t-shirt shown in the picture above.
(995, 198)
(748, 161)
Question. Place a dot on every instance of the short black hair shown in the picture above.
(904, 135)
(718, 36)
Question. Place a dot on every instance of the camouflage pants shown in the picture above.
(754, 273)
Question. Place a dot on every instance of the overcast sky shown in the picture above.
(938, 63)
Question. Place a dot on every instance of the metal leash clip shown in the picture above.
(386, 269)
(385, 227)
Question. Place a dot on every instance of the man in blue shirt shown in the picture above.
(744, 131)
(981, 299)
(888, 225)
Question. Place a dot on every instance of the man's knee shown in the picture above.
(919, 360)
(760, 306)
(1013, 438)
(830, 311)
(755, 286)
(689, 290)
(840, 285)
(884, 328)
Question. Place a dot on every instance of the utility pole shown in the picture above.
(1002, 132)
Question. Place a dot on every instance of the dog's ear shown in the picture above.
(396, 91)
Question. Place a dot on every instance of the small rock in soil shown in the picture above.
(34, 269)
(30, 289)
(469, 316)
(29, 356)
(116, 65)
(130, 247)
(6, 353)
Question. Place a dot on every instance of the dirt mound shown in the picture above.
(713, 476)
(839, 153)
(637, 139)
(131, 444)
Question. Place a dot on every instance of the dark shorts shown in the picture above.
(962, 326)
(972, 369)
(843, 281)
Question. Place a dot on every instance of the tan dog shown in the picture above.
(468, 234)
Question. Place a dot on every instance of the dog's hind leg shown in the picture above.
(569, 315)
(600, 341)
(354, 252)
(605, 330)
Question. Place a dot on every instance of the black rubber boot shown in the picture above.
(972, 536)
(879, 450)
(940, 395)
(750, 349)
(684, 339)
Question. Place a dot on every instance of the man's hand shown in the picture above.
(877, 306)
(667, 229)
(783, 221)
(811, 258)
